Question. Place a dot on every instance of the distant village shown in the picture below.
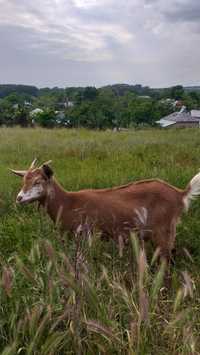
(182, 118)
(114, 107)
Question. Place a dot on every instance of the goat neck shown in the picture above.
(55, 201)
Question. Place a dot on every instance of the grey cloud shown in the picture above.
(96, 42)
(175, 10)
(183, 12)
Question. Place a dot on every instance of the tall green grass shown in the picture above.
(79, 296)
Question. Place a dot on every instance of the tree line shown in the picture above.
(119, 105)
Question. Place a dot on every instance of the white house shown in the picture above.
(35, 112)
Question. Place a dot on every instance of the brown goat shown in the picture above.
(152, 207)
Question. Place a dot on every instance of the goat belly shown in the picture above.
(102, 218)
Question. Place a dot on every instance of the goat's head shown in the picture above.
(36, 182)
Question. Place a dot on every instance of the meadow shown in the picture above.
(81, 296)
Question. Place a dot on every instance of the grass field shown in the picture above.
(81, 297)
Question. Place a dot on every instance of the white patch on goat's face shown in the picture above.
(31, 195)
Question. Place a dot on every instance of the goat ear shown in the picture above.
(20, 173)
(47, 170)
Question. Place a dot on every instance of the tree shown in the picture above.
(177, 92)
(21, 117)
(45, 118)
(90, 93)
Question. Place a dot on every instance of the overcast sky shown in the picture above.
(99, 42)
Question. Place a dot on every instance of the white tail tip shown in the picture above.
(193, 191)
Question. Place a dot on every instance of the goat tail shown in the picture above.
(191, 191)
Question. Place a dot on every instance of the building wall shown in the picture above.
(186, 125)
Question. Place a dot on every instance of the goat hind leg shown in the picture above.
(164, 239)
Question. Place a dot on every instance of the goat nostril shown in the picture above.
(19, 198)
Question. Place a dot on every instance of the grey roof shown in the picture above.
(181, 117)
(195, 113)
(165, 123)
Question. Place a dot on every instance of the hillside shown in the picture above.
(117, 89)
(60, 294)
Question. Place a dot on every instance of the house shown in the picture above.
(27, 104)
(61, 119)
(35, 112)
(60, 115)
(195, 113)
(70, 104)
(181, 119)
(176, 104)
(65, 104)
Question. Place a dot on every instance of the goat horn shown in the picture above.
(33, 164)
(18, 172)
(46, 163)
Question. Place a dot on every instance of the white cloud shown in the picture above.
(148, 41)
(87, 3)
(56, 22)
